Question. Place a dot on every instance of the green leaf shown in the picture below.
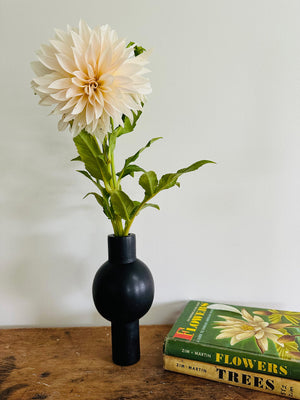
(137, 205)
(128, 126)
(76, 159)
(194, 166)
(137, 49)
(130, 170)
(85, 173)
(149, 182)
(151, 205)
(102, 203)
(99, 198)
(90, 154)
(131, 159)
(169, 180)
(112, 139)
(104, 169)
(122, 204)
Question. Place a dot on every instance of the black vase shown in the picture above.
(123, 291)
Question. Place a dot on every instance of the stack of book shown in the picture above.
(255, 348)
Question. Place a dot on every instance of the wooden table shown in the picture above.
(75, 363)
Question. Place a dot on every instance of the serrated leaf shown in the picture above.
(128, 125)
(169, 180)
(149, 182)
(131, 159)
(130, 170)
(194, 166)
(138, 50)
(122, 204)
(112, 141)
(137, 205)
(76, 159)
(90, 154)
(151, 205)
(104, 169)
(85, 173)
(102, 203)
(99, 198)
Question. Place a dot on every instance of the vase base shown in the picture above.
(125, 342)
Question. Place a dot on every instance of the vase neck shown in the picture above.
(121, 249)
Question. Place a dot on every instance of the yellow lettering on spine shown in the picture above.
(261, 366)
(197, 317)
(248, 363)
(237, 361)
(283, 369)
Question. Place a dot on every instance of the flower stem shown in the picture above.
(129, 223)
(117, 222)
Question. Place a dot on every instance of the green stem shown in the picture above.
(117, 223)
(129, 223)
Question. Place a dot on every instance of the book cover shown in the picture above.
(249, 380)
(247, 338)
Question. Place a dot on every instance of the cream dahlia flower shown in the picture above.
(90, 76)
(249, 327)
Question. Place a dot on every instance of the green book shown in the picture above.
(247, 338)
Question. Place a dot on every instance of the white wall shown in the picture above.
(226, 85)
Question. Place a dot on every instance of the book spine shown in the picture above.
(250, 380)
(230, 358)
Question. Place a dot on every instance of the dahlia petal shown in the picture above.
(39, 69)
(89, 114)
(46, 80)
(98, 110)
(65, 37)
(49, 62)
(70, 104)
(81, 103)
(66, 63)
(47, 101)
(61, 47)
(84, 30)
(99, 97)
(78, 82)
(108, 79)
(74, 91)
(62, 125)
(78, 41)
(60, 96)
(81, 75)
(62, 83)
(91, 72)
(79, 60)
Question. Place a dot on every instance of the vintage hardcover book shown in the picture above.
(250, 380)
(252, 339)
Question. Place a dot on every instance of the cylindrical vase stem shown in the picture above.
(125, 342)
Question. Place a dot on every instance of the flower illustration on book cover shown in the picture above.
(276, 316)
(282, 329)
(249, 327)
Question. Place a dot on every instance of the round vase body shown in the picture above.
(123, 291)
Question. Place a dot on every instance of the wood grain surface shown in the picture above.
(75, 363)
